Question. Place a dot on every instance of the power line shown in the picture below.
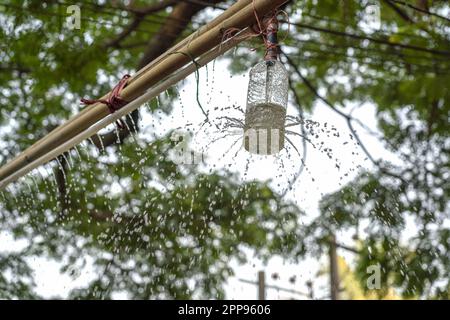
(133, 11)
(325, 55)
(104, 9)
(147, 19)
(305, 41)
(363, 59)
(44, 11)
(268, 286)
(345, 25)
(376, 50)
(372, 39)
(396, 1)
(142, 18)
(420, 9)
(360, 37)
(91, 20)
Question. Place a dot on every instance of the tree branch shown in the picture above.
(142, 11)
(168, 33)
(349, 249)
(139, 16)
(399, 11)
(15, 67)
(125, 33)
(405, 16)
(422, 7)
(348, 119)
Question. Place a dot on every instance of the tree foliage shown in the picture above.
(152, 228)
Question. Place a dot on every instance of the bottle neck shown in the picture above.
(272, 40)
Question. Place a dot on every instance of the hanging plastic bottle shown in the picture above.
(267, 100)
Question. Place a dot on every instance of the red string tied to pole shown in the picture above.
(267, 27)
(271, 38)
(114, 102)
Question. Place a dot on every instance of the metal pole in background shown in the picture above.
(261, 285)
(334, 270)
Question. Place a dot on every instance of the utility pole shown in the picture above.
(309, 284)
(261, 285)
(334, 270)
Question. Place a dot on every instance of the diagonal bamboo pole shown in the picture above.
(235, 8)
(216, 21)
(227, 14)
(130, 107)
(171, 63)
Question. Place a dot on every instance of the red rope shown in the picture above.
(263, 27)
(114, 101)
(272, 48)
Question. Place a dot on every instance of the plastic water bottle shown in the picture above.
(265, 115)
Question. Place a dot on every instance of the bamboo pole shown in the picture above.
(235, 8)
(216, 21)
(194, 48)
(130, 107)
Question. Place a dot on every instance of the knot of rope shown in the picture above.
(266, 27)
(270, 37)
(114, 102)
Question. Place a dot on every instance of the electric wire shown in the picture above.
(424, 11)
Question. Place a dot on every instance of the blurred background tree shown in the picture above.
(171, 231)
